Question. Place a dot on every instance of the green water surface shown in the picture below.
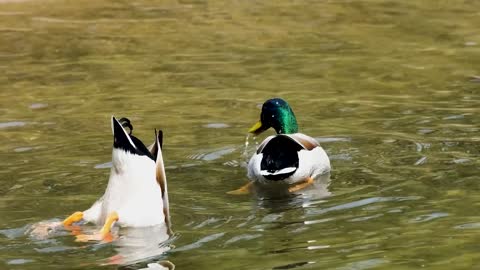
(387, 87)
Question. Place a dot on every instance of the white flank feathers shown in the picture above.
(132, 191)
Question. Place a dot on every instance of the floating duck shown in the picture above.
(289, 159)
(136, 194)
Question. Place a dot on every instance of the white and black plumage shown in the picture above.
(136, 194)
(289, 158)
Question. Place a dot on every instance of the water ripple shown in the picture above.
(241, 237)
(201, 242)
(12, 124)
(213, 155)
(360, 203)
(429, 217)
(468, 226)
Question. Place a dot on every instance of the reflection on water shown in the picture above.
(140, 244)
(318, 190)
(130, 245)
(389, 88)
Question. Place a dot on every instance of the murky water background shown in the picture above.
(386, 87)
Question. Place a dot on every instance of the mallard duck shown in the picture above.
(136, 194)
(289, 158)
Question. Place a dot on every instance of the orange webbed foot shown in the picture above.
(107, 238)
(104, 234)
(245, 189)
(309, 181)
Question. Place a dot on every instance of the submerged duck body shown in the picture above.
(289, 157)
(136, 194)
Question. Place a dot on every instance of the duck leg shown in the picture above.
(245, 189)
(75, 217)
(104, 233)
(111, 219)
(301, 185)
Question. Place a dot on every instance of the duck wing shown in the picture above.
(307, 142)
(156, 151)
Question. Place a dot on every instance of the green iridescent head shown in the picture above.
(276, 114)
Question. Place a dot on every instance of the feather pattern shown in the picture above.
(288, 157)
(312, 159)
(133, 189)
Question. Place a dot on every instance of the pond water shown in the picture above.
(387, 87)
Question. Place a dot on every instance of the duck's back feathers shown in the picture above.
(280, 158)
(288, 157)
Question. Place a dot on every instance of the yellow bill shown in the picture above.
(257, 128)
